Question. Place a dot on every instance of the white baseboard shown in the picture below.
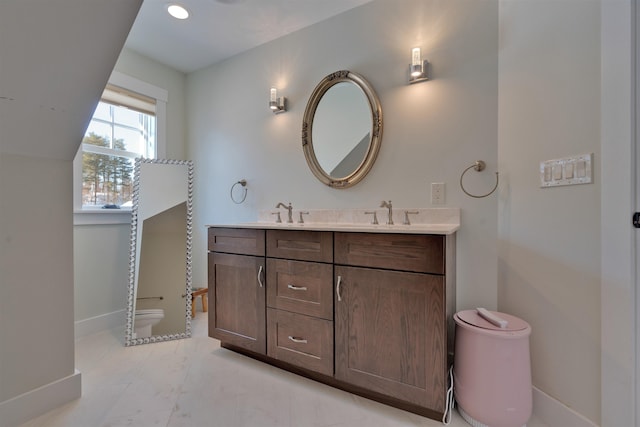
(552, 412)
(31, 404)
(100, 323)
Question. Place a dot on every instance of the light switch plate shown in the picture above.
(437, 193)
(567, 171)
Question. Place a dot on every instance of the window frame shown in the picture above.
(94, 215)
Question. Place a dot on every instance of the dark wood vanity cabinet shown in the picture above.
(367, 312)
(300, 298)
(237, 288)
(390, 315)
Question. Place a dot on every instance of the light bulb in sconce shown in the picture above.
(418, 67)
(416, 62)
(276, 104)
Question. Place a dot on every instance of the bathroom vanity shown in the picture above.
(365, 309)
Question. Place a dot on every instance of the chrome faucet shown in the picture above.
(406, 216)
(289, 209)
(375, 217)
(387, 205)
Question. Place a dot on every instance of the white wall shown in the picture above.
(432, 130)
(549, 239)
(101, 251)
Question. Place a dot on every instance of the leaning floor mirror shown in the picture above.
(159, 297)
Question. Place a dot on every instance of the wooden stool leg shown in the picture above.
(193, 307)
(205, 303)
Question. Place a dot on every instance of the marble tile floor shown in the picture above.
(195, 383)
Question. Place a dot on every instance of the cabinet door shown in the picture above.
(237, 310)
(390, 334)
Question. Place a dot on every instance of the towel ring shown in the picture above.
(242, 182)
(478, 166)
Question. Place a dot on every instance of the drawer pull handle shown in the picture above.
(296, 288)
(298, 340)
(260, 276)
(338, 288)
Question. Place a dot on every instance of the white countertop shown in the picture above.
(428, 221)
(362, 228)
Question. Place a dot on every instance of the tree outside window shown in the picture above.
(106, 179)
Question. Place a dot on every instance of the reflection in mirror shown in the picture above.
(159, 299)
(342, 129)
(343, 123)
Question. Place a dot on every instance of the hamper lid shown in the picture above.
(492, 320)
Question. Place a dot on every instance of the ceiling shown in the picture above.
(219, 29)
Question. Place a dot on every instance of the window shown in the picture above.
(123, 127)
(127, 123)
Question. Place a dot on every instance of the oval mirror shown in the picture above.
(342, 129)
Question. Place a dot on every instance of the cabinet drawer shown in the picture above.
(301, 340)
(407, 252)
(300, 245)
(301, 287)
(236, 241)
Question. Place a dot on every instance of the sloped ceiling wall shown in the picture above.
(55, 58)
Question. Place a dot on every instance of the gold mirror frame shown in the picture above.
(376, 129)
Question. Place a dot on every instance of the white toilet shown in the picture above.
(145, 319)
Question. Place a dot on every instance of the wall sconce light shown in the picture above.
(276, 104)
(418, 67)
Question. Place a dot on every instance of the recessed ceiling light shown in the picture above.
(177, 11)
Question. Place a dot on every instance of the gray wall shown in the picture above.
(49, 85)
(540, 100)
(531, 252)
(619, 196)
(432, 131)
(549, 257)
(36, 307)
(101, 251)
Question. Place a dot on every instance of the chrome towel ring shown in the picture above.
(243, 183)
(478, 166)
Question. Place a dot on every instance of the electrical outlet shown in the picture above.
(437, 193)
